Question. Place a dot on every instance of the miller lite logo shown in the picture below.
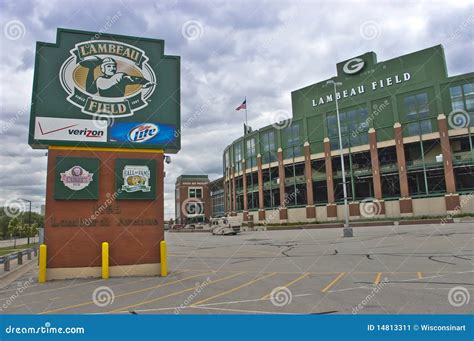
(143, 132)
(106, 78)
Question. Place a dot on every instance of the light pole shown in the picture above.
(347, 231)
(29, 217)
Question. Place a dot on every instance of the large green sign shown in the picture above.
(101, 90)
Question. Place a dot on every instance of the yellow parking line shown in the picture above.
(59, 297)
(287, 284)
(170, 295)
(334, 281)
(234, 289)
(420, 275)
(121, 295)
(377, 278)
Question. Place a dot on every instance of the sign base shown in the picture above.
(95, 196)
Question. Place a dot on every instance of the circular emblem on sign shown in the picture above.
(76, 171)
(353, 66)
(107, 78)
(76, 178)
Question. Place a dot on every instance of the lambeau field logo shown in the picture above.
(107, 78)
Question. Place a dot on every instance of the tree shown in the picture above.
(15, 229)
(30, 231)
(4, 220)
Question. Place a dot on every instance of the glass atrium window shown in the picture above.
(462, 98)
(417, 113)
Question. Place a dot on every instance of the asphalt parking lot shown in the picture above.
(409, 269)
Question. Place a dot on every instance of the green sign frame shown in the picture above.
(135, 179)
(73, 173)
(95, 89)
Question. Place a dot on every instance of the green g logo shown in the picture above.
(353, 66)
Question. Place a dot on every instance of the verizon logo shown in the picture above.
(65, 129)
(86, 132)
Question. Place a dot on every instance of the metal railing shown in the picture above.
(5, 260)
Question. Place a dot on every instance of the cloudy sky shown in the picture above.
(229, 49)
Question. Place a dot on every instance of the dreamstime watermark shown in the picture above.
(11, 122)
(195, 116)
(199, 287)
(281, 296)
(103, 296)
(192, 207)
(192, 30)
(458, 296)
(267, 43)
(465, 24)
(282, 119)
(370, 207)
(20, 290)
(459, 119)
(14, 207)
(45, 329)
(14, 30)
(370, 296)
(109, 22)
(464, 200)
(101, 209)
(376, 111)
(369, 30)
(288, 199)
(103, 122)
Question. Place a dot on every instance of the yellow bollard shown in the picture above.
(42, 264)
(164, 265)
(105, 260)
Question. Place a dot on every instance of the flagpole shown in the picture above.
(246, 124)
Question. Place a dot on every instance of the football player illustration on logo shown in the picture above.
(107, 78)
(111, 83)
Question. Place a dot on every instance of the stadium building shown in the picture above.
(407, 138)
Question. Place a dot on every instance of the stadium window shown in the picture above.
(337, 176)
(416, 183)
(293, 146)
(250, 159)
(464, 178)
(417, 112)
(354, 128)
(390, 185)
(361, 175)
(227, 164)
(463, 157)
(271, 192)
(195, 192)
(269, 147)
(436, 181)
(238, 157)
(462, 98)
(320, 192)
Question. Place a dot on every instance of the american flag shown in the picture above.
(242, 106)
